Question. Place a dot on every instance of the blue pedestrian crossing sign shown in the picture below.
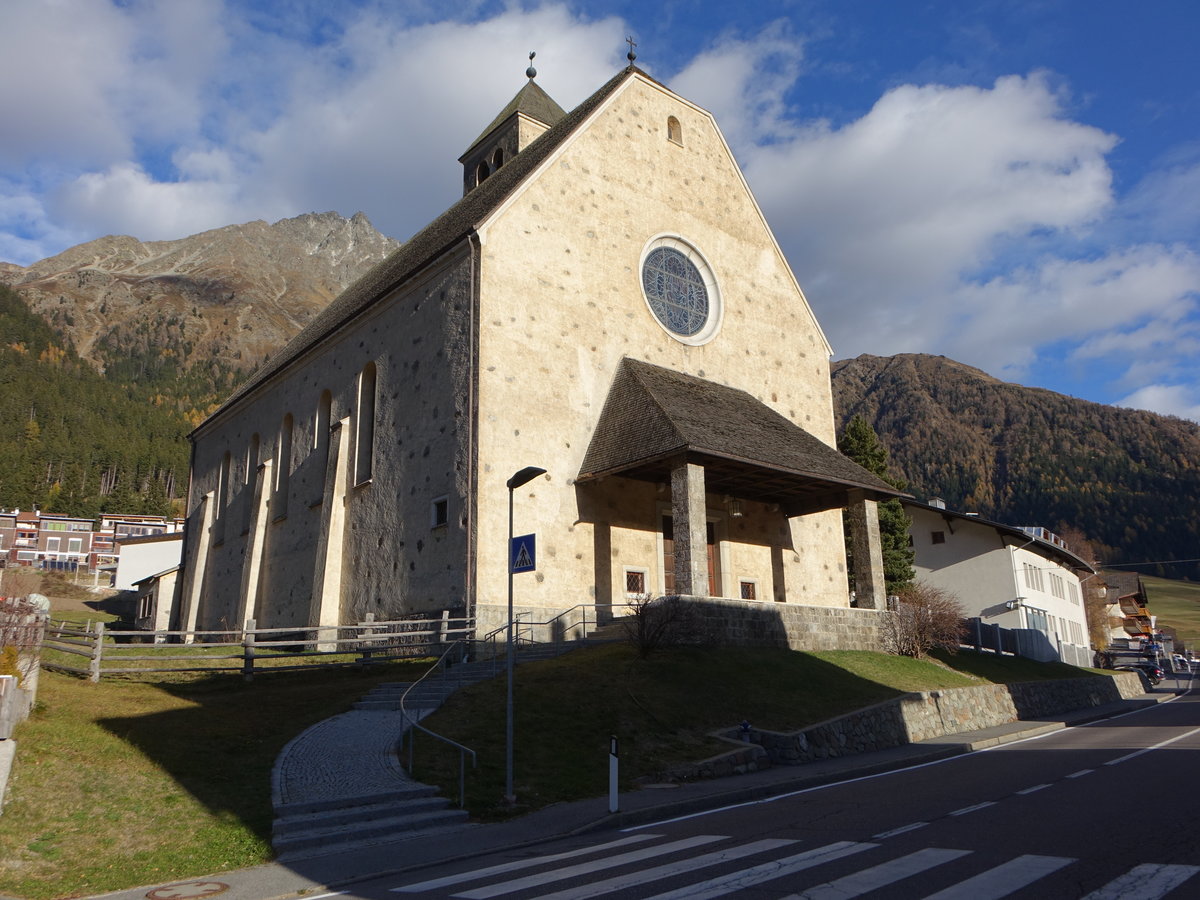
(522, 554)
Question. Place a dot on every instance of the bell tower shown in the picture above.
(526, 116)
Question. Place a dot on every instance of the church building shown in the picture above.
(606, 302)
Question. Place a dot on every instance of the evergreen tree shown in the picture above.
(860, 443)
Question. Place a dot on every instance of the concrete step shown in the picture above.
(413, 791)
(356, 816)
(341, 836)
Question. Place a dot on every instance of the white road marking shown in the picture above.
(1030, 790)
(587, 868)
(1146, 882)
(1003, 879)
(881, 875)
(901, 830)
(738, 881)
(1081, 773)
(669, 870)
(519, 864)
(1158, 746)
(970, 809)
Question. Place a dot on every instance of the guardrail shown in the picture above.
(415, 725)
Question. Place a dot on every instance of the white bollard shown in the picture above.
(612, 774)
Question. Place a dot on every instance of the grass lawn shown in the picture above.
(124, 783)
(1177, 604)
(662, 710)
(131, 782)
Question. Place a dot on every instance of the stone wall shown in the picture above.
(748, 623)
(914, 717)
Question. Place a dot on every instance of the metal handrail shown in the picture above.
(492, 638)
(414, 724)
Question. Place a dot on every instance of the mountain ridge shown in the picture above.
(1031, 456)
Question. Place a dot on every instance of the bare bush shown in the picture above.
(925, 617)
(658, 622)
(21, 627)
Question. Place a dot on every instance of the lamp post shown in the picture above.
(524, 476)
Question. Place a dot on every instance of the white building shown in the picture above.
(1024, 578)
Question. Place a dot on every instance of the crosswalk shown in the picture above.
(717, 866)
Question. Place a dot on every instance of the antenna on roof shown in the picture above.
(531, 72)
(631, 56)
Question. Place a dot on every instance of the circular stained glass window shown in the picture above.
(680, 290)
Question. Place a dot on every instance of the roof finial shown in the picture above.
(531, 72)
(631, 56)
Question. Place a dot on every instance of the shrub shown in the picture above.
(924, 618)
(655, 623)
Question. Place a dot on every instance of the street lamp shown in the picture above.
(524, 476)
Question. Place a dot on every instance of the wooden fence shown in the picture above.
(102, 651)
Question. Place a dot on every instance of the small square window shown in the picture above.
(439, 512)
(939, 537)
(749, 590)
(635, 582)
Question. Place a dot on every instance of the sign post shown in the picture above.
(612, 774)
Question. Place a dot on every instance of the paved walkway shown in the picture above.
(323, 872)
(350, 755)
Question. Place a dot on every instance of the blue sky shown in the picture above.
(1015, 185)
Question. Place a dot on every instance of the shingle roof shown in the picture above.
(532, 101)
(436, 238)
(653, 415)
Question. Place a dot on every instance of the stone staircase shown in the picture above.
(340, 784)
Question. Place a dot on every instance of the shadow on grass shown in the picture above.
(221, 744)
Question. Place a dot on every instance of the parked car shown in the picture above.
(1153, 671)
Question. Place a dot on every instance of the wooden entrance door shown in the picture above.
(668, 536)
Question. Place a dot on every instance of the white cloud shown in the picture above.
(883, 218)
(1170, 399)
(373, 118)
(743, 82)
(125, 200)
(1129, 301)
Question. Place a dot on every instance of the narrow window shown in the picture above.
(283, 465)
(674, 131)
(481, 172)
(223, 489)
(439, 512)
(321, 437)
(497, 159)
(252, 458)
(364, 439)
(749, 590)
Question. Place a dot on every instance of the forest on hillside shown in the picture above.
(75, 442)
(1126, 479)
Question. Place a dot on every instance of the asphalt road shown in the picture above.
(1108, 810)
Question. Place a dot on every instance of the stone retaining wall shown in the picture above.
(748, 623)
(911, 718)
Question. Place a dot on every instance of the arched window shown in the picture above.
(364, 433)
(497, 159)
(674, 130)
(482, 172)
(283, 464)
(252, 458)
(321, 430)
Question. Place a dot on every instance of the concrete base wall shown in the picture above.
(748, 623)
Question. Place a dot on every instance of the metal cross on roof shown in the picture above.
(631, 56)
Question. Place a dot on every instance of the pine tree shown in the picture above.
(860, 443)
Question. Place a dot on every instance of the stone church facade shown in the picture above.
(605, 302)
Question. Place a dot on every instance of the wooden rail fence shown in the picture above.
(92, 650)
